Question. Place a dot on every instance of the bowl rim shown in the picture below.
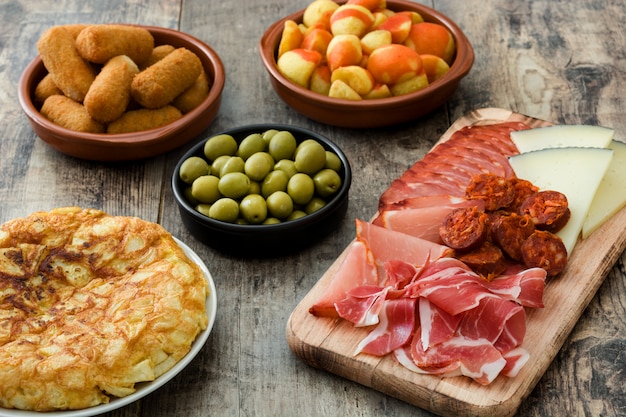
(257, 229)
(35, 69)
(463, 62)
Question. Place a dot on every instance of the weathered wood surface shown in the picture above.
(559, 61)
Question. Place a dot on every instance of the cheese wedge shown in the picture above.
(611, 194)
(576, 172)
(561, 136)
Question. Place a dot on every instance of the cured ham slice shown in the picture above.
(387, 245)
(357, 269)
(395, 329)
(362, 305)
(422, 222)
(501, 322)
(452, 286)
(477, 359)
(524, 287)
(515, 360)
(437, 326)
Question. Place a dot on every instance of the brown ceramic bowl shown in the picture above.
(137, 145)
(376, 112)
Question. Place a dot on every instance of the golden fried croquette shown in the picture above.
(90, 305)
(46, 88)
(109, 94)
(70, 72)
(99, 43)
(163, 81)
(144, 119)
(70, 114)
(194, 95)
(75, 28)
(158, 53)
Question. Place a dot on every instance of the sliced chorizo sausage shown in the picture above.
(522, 189)
(464, 228)
(487, 260)
(509, 231)
(549, 210)
(497, 192)
(545, 250)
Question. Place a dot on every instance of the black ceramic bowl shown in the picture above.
(271, 239)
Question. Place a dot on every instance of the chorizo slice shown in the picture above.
(545, 250)
(509, 231)
(549, 210)
(496, 191)
(522, 189)
(464, 228)
(487, 260)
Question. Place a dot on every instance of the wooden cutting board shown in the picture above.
(329, 343)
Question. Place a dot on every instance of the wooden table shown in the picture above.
(559, 61)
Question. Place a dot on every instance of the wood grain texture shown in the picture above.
(561, 61)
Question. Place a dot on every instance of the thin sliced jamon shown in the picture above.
(524, 287)
(395, 328)
(387, 245)
(501, 322)
(515, 361)
(357, 269)
(437, 326)
(439, 200)
(477, 359)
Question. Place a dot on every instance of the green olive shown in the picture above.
(258, 165)
(279, 205)
(205, 189)
(310, 158)
(253, 208)
(233, 164)
(327, 182)
(189, 197)
(272, 220)
(203, 209)
(296, 214)
(255, 187)
(268, 134)
(300, 188)
(251, 144)
(282, 145)
(286, 165)
(234, 184)
(216, 166)
(315, 204)
(224, 209)
(274, 181)
(302, 145)
(219, 145)
(332, 161)
(192, 168)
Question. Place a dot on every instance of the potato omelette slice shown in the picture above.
(90, 305)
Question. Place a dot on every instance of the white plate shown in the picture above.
(144, 388)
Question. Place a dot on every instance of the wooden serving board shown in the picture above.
(329, 343)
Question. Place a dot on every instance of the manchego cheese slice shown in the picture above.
(611, 194)
(562, 136)
(575, 172)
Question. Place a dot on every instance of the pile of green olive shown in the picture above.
(266, 178)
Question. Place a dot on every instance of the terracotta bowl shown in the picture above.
(265, 240)
(375, 112)
(137, 145)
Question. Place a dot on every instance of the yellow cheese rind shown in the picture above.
(562, 136)
(611, 194)
(575, 172)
